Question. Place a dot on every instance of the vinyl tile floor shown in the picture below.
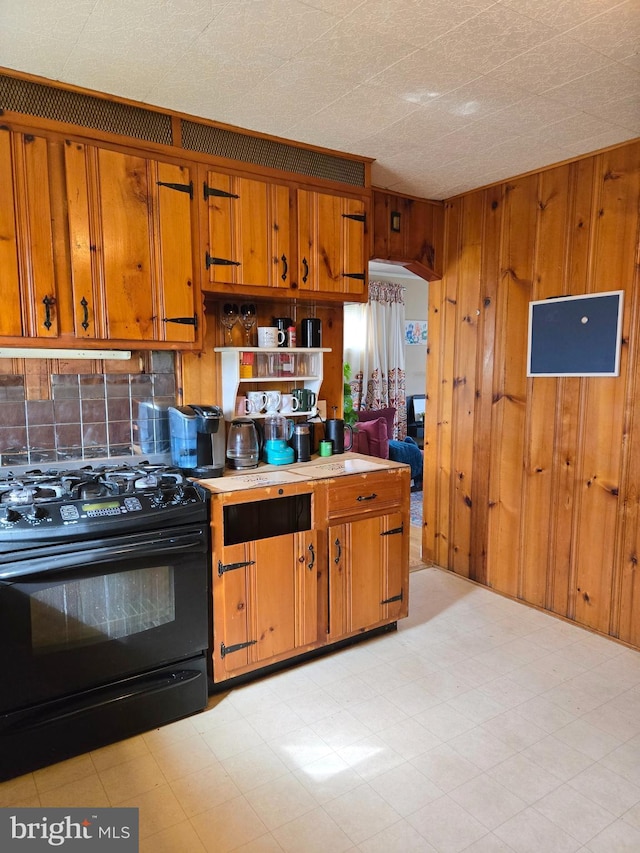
(481, 725)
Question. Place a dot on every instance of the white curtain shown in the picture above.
(374, 349)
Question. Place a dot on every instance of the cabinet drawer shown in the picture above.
(365, 493)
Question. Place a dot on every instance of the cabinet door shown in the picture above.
(231, 631)
(172, 228)
(265, 601)
(332, 246)
(366, 573)
(131, 258)
(27, 276)
(248, 232)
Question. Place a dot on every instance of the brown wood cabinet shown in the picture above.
(409, 231)
(264, 602)
(130, 236)
(265, 587)
(366, 586)
(27, 274)
(300, 242)
(368, 551)
(278, 596)
(248, 232)
(332, 244)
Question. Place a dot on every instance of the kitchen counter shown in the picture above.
(305, 557)
(318, 468)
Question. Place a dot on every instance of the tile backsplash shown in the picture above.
(88, 416)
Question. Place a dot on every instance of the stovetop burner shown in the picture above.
(42, 507)
(52, 486)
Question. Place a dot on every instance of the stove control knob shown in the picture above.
(39, 513)
(11, 515)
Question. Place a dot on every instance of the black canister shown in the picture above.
(301, 442)
(311, 332)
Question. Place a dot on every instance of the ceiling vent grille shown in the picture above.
(23, 96)
(267, 152)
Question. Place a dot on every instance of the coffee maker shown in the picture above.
(197, 439)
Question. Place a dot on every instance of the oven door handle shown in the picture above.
(140, 547)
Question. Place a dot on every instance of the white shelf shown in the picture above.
(232, 381)
(281, 350)
(263, 415)
(283, 378)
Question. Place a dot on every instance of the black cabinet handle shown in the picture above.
(286, 267)
(306, 270)
(370, 497)
(85, 313)
(313, 557)
(48, 301)
(338, 556)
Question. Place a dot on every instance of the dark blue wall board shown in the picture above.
(575, 335)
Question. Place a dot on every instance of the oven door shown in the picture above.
(87, 615)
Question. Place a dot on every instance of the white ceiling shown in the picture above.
(447, 95)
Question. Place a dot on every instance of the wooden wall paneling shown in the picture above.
(464, 380)
(446, 461)
(561, 456)
(538, 524)
(489, 276)
(424, 241)
(626, 623)
(626, 593)
(510, 384)
(560, 596)
(616, 202)
(443, 413)
(198, 377)
(431, 481)
(37, 375)
(331, 316)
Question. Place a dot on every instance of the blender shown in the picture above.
(277, 432)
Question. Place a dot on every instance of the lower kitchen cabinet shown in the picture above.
(265, 602)
(300, 567)
(367, 586)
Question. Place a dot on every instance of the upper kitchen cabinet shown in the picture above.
(248, 240)
(251, 242)
(130, 230)
(409, 231)
(27, 273)
(332, 245)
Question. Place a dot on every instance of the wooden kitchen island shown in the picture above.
(305, 558)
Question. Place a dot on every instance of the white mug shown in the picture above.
(256, 401)
(289, 404)
(273, 401)
(270, 336)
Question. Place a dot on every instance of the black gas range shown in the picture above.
(104, 607)
(41, 507)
